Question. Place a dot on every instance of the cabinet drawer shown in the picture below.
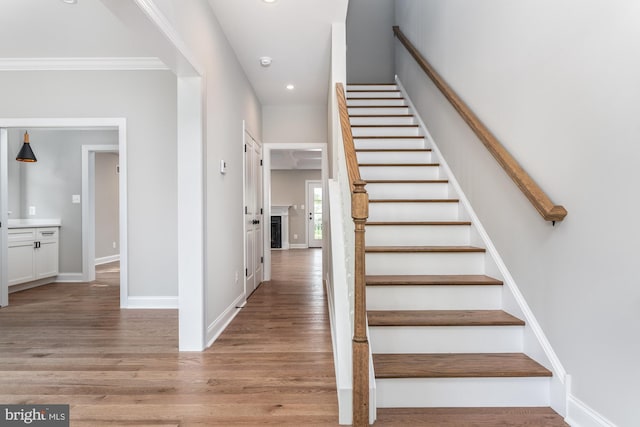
(22, 234)
(50, 233)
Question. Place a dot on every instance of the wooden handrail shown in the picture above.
(527, 185)
(359, 213)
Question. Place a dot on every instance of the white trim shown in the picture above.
(220, 324)
(107, 259)
(579, 414)
(4, 216)
(83, 64)
(266, 193)
(153, 302)
(70, 278)
(559, 386)
(299, 246)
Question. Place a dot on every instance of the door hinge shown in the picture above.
(260, 214)
(246, 210)
(260, 162)
(261, 260)
(246, 272)
(245, 148)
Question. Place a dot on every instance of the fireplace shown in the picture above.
(280, 215)
(276, 232)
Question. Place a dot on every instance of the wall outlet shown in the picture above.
(237, 276)
(301, 207)
(114, 245)
(75, 198)
(295, 237)
(32, 210)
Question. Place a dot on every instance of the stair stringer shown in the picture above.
(535, 343)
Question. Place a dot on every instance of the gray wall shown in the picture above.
(49, 183)
(560, 90)
(288, 188)
(147, 99)
(370, 41)
(107, 205)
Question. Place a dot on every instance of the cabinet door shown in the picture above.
(21, 257)
(47, 258)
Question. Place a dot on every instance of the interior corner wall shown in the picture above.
(555, 82)
(229, 99)
(288, 187)
(107, 205)
(147, 99)
(370, 56)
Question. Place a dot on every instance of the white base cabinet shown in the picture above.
(33, 254)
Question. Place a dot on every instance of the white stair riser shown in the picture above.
(376, 102)
(408, 191)
(446, 339)
(386, 131)
(461, 392)
(434, 297)
(362, 110)
(394, 120)
(372, 87)
(415, 235)
(399, 172)
(394, 157)
(380, 143)
(425, 263)
(380, 212)
(385, 94)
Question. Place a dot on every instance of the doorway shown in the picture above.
(314, 213)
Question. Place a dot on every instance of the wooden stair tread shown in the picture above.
(457, 365)
(432, 280)
(423, 249)
(425, 223)
(399, 164)
(470, 417)
(414, 201)
(392, 150)
(389, 137)
(442, 318)
(386, 126)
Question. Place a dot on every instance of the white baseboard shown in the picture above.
(34, 284)
(152, 302)
(220, 324)
(107, 259)
(579, 414)
(69, 278)
(298, 246)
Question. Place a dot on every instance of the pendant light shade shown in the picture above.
(26, 153)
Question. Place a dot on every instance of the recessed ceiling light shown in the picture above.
(269, 1)
(70, 1)
(290, 87)
(265, 61)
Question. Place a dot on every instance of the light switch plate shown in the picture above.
(75, 198)
(223, 167)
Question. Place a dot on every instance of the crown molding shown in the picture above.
(83, 64)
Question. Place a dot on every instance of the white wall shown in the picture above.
(370, 41)
(557, 83)
(147, 99)
(107, 205)
(229, 99)
(294, 123)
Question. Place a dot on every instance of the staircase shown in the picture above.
(438, 334)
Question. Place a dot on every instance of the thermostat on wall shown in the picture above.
(223, 167)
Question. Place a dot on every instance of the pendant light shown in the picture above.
(26, 153)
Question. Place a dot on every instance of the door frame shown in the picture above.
(67, 123)
(309, 209)
(266, 182)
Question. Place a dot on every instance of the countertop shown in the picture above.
(30, 223)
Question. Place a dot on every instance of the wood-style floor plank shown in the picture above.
(71, 344)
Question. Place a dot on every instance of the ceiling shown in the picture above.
(295, 33)
(296, 159)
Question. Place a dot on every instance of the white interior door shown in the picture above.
(253, 213)
(314, 214)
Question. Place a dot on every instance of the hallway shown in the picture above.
(70, 344)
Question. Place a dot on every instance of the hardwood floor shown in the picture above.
(70, 343)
